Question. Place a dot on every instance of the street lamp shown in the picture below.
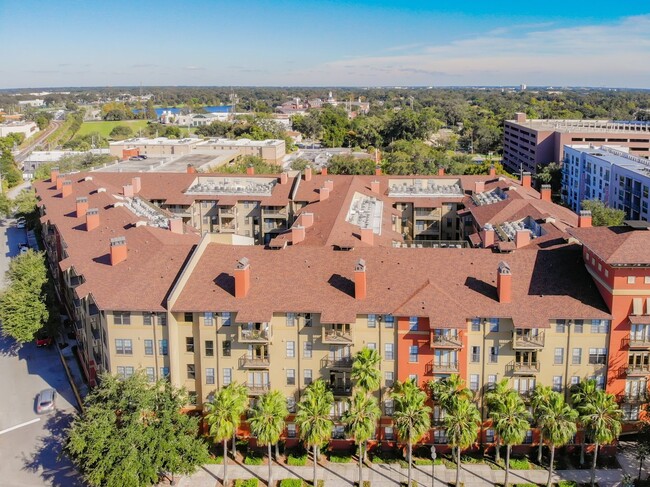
(433, 465)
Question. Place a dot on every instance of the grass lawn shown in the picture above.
(104, 128)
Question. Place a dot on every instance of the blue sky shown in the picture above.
(327, 43)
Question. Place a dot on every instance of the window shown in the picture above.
(188, 317)
(440, 437)
(209, 348)
(389, 407)
(372, 345)
(575, 380)
(413, 354)
(151, 374)
(560, 326)
(631, 280)
(528, 439)
(148, 347)
(491, 380)
(578, 326)
(597, 355)
(123, 347)
(291, 430)
(208, 318)
(146, 319)
(291, 321)
(226, 320)
(163, 347)
(599, 326)
(226, 348)
(388, 433)
(489, 436)
(164, 372)
(307, 377)
(558, 356)
(557, 383)
(291, 377)
(161, 319)
(414, 378)
(191, 374)
(473, 382)
(494, 324)
(291, 404)
(291, 349)
(388, 351)
(494, 355)
(630, 412)
(307, 349)
(637, 306)
(189, 344)
(389, 321)
(124, 372)
(308, 319)
(646, 280)
(476, 324)
(476, 354)
(372, 321)
(121, 317)
(388, 379)
(413, 323)
(227, 376)
(576, 356)
(209, 376)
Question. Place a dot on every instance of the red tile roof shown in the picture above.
(616, 245)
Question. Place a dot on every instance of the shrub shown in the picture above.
(291, 483)
(297, 460)
(245, 483)
(253, 460)
(340, 458)
(519, 464)
(566, 483)
(215, 460)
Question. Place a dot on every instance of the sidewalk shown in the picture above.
(389, 475)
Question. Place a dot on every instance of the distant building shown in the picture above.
(529, 143)
(609, 174)
(32, 103)
(26, 128)
(38, 158)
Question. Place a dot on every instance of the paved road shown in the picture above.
(30, 444)
(22, 155)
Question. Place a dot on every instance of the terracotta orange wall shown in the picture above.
(406, 339)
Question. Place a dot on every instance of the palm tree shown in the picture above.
(313, 417)
(412, 416)
(494, 400)
(361, 422)
(446, 391)
(582, 394)
(365, 369)
(267, 421)
(239, 393)
(539, 400)
(511, 421)
(221, 422)
(602, 416)
(462, 427)
(558, 422)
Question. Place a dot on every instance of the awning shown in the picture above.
(640, 320)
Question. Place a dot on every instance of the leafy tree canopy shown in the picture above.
(603, 216)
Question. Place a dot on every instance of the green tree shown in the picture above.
(558, 422)
(348, 164)
(267, 421)
(25, 202)
(361, 422)
(365, 369)
(511, 421)
(581, 394)
(462, 427)
(6, 205)
(300, 164)
(412, 417)
(132, 432)
(313, 417)
(539, 400)
(239, 395)
(150, 111)
(602, 417)
(446, 392)
(603, 216)
(495, 400)
(121, 132)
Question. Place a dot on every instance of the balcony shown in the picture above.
(342, 389)
(258, 389)
(229, 211)
(336, 363)
(433, 367)
(446, 341)
(524, 340)
(638, 369)
(638, 343)
(255, 333)
(524, 368)
(255, 362)
(282, 214)
(337, 334)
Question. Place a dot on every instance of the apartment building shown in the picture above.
(147, 290)
(529, 143)
(609, 174)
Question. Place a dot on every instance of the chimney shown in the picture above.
(59, 183)
(487, 235)
(92, 219)
(176, 225)
(374, 186)
(584, 219)
(526, 179)
(323, 171)
(493, 171)
(127, 190)
(329, 184)
(546, 192)
(250, 170)
(520, 117)
(54, 174)
(137, 185)
(82, 206)
(504, 283)
(308, 173)
(479, 187)
(191, 169)
(297, 234)
(377, 170)
(441, 171)
(66, 188)
(360, 284)
(306, 219)
(324, 193)
(284, 178)
(242, 278)
(367, 236)
(118, 250)
(522, 238)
